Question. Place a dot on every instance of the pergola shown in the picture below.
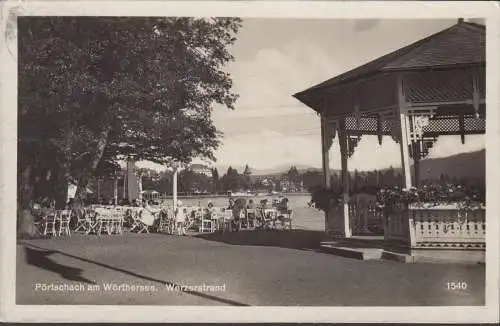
(433, 87)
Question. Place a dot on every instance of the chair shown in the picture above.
(285, 217)
(50, 222)
(117, 218)
(64, 217)
(92, 221)
(104, 222)
(207, 223)
(166, 223)
(251, 216)
(268, 217)
(143, 222)
(82, 220)
(193, 218)
(227, 220)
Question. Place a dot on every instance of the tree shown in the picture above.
(215, 180)
(293, 174)
(94, 90)
(247, 183)
(231, 180)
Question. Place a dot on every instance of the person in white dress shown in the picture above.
(180, 218)
(148, 214)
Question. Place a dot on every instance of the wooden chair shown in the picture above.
(140, 225)
(104, 222)
(50, 222)
(166, 221)
(251, 216)
(227, 220)
(83, 220)
(117, 222)
(268, 218)
(207, 223)
(285, 217)
(64, 217)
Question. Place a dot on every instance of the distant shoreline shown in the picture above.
(290, 194)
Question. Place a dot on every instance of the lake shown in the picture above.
(305, 217)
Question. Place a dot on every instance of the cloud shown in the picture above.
(268, 148)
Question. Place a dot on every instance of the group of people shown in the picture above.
(150, 212)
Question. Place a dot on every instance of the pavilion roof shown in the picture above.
(463, 44)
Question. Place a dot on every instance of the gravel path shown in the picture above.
(249, 268)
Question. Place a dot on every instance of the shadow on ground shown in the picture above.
(39, 258)
(293, 239)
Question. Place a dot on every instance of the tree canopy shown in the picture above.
(96, 90)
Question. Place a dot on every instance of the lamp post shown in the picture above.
(174, 187)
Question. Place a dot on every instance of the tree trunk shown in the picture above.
(64, 173)
(25, 220)
(81, 190)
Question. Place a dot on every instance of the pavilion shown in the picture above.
(433, 87)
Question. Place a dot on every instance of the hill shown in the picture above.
(470, 164)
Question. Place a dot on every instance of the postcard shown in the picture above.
(253, 161)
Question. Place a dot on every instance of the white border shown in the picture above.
(284, 9)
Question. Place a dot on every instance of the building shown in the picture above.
(201, 169)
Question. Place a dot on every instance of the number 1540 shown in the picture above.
(456, 285)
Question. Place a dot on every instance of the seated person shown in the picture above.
(282, 206)
(210, 209)
(251, 212)
(147, 214)
(231, 203)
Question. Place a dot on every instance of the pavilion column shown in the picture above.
(115, 190)
(124, 186)
(416, 163)
(402, 115)
(343, 139)
(326, 144)
(139, 186)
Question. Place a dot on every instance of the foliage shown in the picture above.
(293, 174)
(232, 180)
(325, 199)
(465, 196)
(95, 90)
(215, 180)
(102, 89)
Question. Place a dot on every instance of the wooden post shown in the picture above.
(476, 96)
(115, 190)
(98, 189)
(416, 163)
(139, 186)
(403, 134)
(174, 189)
(326, 143)
(124, 186)
(345, 177)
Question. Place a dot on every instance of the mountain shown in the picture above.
(470, 164)
(280, 169)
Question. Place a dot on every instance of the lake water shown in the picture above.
(305, 217)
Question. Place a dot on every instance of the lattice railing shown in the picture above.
(437, 227)
(449, 228)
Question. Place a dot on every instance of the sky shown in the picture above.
(275, 58)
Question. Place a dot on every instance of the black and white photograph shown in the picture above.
(226, 160)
